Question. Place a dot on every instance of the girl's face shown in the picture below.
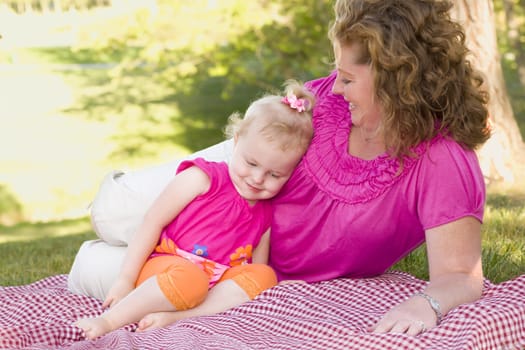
(258, 168)
(355, 83)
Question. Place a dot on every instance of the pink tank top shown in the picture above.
(219, 228)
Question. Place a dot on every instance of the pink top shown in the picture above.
(340, 215)
(218, 225)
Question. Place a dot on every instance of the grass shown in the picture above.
(32, 251)
(62, 55)
(503, 245)
(48, 130)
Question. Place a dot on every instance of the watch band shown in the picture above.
(434, 304)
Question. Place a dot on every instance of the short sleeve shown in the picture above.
(198, 162)
(214, 170)
(450, 184)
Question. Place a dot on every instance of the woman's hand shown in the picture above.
(119, 290)
(456, 277)
(413, 316)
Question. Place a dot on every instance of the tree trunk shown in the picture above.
(502, 156)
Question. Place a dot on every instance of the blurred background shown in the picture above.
(88, 86)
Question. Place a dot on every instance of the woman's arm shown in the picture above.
(184, 187)
(456, 277)
(454, 260)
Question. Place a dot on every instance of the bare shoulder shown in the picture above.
(194, 178)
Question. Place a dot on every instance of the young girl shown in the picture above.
(212, 219)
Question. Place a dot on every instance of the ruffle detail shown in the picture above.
(342, 176)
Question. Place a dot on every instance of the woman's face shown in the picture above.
(355, 83)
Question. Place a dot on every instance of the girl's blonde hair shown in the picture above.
(279, 122)
(421, 73)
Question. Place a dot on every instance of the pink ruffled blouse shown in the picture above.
(340, 215)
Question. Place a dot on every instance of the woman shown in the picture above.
(391, 164)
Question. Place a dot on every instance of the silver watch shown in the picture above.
(434, 304)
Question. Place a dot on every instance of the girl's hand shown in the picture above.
(119, 290)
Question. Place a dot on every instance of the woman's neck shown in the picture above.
(365, 145)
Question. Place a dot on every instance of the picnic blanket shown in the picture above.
(327, 315)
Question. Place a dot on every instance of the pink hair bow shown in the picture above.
(300, 104)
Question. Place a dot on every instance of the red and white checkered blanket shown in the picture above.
(328, 315)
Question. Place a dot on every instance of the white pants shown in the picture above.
(116, 213)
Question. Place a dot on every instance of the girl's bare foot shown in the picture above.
(94, 327)
(156, 320)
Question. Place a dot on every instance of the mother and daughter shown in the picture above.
(391, 165)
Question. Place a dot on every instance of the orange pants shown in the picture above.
(185, 285)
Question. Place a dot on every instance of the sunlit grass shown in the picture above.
(54, 152)
(32, 251)
(24, 232)
(51, 163)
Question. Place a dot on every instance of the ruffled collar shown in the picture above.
(345, 177)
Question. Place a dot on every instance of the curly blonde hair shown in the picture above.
(277, 121)
(421, 73)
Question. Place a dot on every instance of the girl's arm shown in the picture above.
(262, 251)
(184, 187)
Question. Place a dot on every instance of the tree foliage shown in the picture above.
(212, 57)
(24, 6)
(260, 43)
(209, 58)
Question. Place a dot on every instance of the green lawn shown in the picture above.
(71, 125)
(32, 251)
